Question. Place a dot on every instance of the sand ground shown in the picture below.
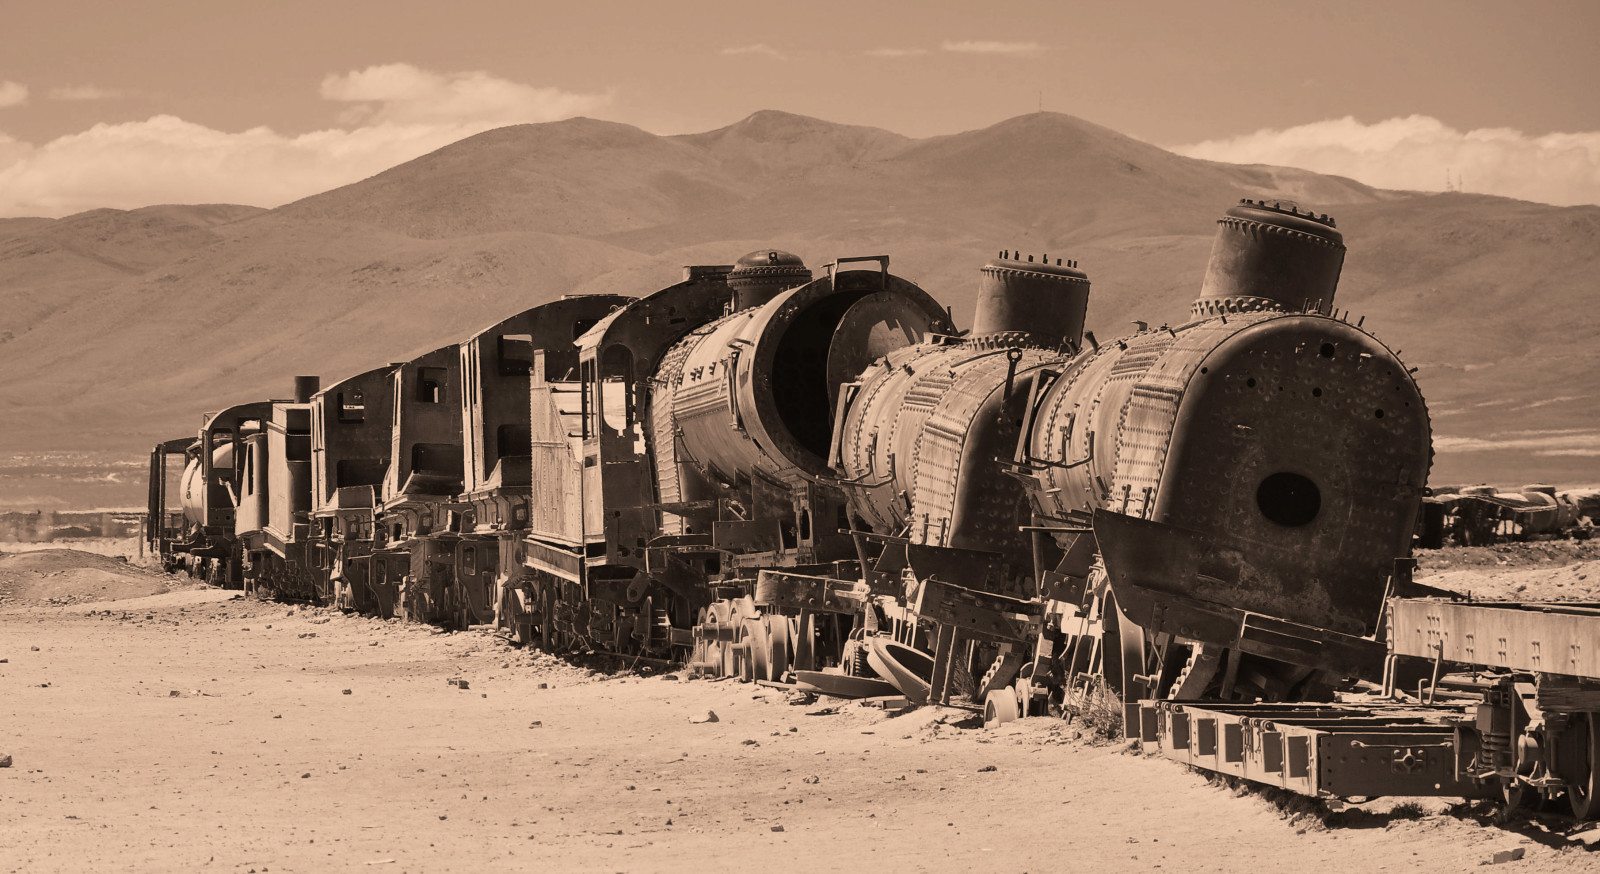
(196, 731)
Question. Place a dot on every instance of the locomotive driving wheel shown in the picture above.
(778, 648)
(758, 664)
(1578, 755)
(701, 654)
(721, 652)
(803, 633)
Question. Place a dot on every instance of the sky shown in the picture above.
(119, 104)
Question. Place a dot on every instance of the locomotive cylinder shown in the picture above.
(1271, 257)
(1045, 301)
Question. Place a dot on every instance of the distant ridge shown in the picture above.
(122, 326)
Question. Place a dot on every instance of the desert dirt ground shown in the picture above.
(195, 730)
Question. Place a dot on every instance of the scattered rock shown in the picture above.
(346, 692)
(174, 694)
(987, 768)
(308, 634)
(1505, 856)
(33, 649)
(813, 780)
(777, 828)
(305, 776)
(5, 761)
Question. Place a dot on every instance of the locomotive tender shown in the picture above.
(765, 473)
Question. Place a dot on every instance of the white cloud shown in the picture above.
(759, 48)
(83, 92)
(895, 53)
(12, 94)
(405, 112)
(991, 47)
(1416, 152)
(404, 94)
(1563, 441)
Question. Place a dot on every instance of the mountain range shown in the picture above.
(122, 327)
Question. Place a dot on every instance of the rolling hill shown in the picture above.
(123, 326)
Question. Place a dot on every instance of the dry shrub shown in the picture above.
(1407, 810)
(1097, 710)
(962, 682)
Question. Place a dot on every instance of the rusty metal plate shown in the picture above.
(977, 614)
(841, 686)
(910, 670)
(1543, 638)
(1168, 579)
(789, 591)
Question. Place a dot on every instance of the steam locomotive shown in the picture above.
(761, 472)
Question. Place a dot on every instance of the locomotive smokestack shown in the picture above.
(760, 276)
(305, 387)
(1271, 255)
(1046, 301)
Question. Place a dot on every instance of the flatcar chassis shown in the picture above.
(1509, 709)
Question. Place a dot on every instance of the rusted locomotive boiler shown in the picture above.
(694, 447)
(1216, 506)
(1253, 475)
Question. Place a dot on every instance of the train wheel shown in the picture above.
(701, 654)
(760, 648)
(547, 615)
(1577, 758)
(1000, 707)
(723, 651)
(804, 632)
(778, 635)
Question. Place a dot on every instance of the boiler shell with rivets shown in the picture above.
(1296, 432)
(752, 393)
(919, 444)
